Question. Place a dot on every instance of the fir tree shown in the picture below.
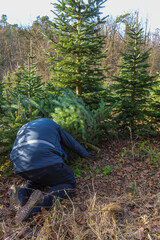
(1, 98)
(155, 114)
(7, 85)
(28, 83)
(133, 85)
(77, 63)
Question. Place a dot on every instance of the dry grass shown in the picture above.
(129, 216)
(123, 206)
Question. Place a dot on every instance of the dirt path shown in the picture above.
(117, 197)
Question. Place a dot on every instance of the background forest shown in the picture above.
(99, 78)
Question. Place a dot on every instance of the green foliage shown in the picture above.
(16, 113)
(1, 98)
(118, 167)
(21, 88)
(8, 129)
(17, 97)
(44, 107)
(133, 85)
(106, 170)
(142, 151)
(24, 96)
(77, 172)
(146, 152)
(57, 203)
(76, 57)
(82, 123)
(155, 105)
(27, 82)
(94, 98)
(7, 86)
(77, 64)
(98, 171)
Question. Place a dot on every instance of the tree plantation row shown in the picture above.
(96, 77)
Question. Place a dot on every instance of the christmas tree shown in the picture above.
(77, 63)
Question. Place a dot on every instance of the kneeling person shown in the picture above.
(37, 156)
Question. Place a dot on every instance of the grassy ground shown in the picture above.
(117, 198)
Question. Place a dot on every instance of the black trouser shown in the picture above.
(59, 177)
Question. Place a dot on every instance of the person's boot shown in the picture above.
(15, 203)
(35, 198)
